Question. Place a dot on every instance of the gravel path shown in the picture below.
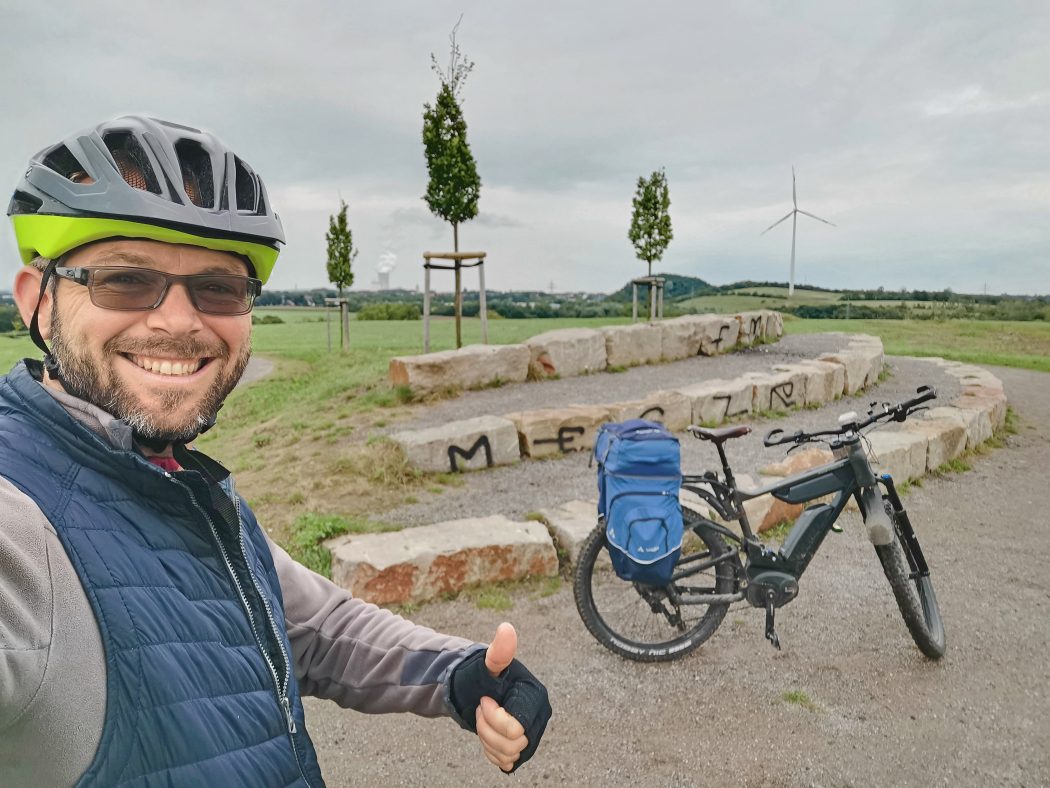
(880, 713)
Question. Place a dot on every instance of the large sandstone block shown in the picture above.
(543, 433)
(977, 424)
(570, 524)
(989, 401)
(777, 390)
(947, 439)
(719, 334)
(856, 366)
(681, 337)
(752, 327)
(900, 454)
(671, 408)
(462, 445)
(717, 400)
(628, 346)
(422, 563)
(774, 325)
(870, 348)
(824, 380)
(473, 366)
(566, 352)
(969, 375)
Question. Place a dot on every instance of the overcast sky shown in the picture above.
(922, 130)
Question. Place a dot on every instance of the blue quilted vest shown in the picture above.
(200, 689)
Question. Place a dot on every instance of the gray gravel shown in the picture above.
(531, 485)
(881, 714)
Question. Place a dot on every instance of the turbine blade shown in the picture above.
(778, 221)
(794, 194)
(811, 216)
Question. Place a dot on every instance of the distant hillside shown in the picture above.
(675, 287)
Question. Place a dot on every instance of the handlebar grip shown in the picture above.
(768, 440)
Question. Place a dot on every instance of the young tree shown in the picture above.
(650, 221)
(454, 185)
(341, 254)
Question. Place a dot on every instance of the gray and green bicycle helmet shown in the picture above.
(137, 177)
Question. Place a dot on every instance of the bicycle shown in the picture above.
(660, 623)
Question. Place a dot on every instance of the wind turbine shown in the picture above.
(793, 215)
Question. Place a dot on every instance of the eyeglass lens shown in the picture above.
(144, 288)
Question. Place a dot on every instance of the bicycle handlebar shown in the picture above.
(898, 412)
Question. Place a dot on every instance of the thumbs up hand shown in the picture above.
(510, 707)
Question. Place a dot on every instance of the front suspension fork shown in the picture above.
(916, 560)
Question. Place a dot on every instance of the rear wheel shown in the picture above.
(647, 623)
(913, 592)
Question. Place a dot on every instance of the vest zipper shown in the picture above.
(282, 696)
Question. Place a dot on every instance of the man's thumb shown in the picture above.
(502, 649)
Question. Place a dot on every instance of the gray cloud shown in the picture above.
(919, 130)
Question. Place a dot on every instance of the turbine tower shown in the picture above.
(793, 215)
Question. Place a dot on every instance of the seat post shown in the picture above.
(725, 464)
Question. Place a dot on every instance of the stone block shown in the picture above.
(719, 334)
(752, 328)
(765, 511)
(681, 337)
(977, 424)
(900, 454)
(824, 380)
(946, 439)
(774, 325)
(462, 445)
(628, 346)
(870, 348)
(776, 390)
(856, 366)
(554, 431)
(798, 462)
(671, 408)
(570, 524)
(987, 400)
(717, 400)
(422, 563)
(473, 366)
(566, 352)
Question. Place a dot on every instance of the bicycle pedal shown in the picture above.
(771, 632)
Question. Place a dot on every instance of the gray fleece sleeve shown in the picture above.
(362, 656)
(25, 602)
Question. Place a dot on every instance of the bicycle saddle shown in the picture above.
(721, 434)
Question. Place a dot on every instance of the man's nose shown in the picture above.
(176, 313)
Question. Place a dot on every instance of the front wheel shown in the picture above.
(653, 623)
(913, 592)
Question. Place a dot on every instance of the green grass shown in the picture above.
(1025, 345)
(311, 529)
(765, 298)
(799, 698)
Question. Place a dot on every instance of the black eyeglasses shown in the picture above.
(135, 289)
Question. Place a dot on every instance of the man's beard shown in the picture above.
(98, 384)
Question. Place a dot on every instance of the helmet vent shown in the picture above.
(131, 161)
(246, 190)
(67, 165)
(197, 177)
(23, 202)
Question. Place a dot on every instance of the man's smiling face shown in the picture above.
(165, 371)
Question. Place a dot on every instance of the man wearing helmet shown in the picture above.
(149, 632)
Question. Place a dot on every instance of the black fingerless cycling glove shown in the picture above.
(516, 690)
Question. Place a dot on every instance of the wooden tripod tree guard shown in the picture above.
(459, 262)
(656, 296)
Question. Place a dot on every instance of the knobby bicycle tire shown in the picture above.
(640, 622)
(915, 595)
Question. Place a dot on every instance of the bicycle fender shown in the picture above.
(880, 527)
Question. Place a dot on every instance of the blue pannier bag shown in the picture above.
(639, 475)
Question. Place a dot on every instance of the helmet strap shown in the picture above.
(50, 362)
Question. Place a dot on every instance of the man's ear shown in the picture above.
(26, 292)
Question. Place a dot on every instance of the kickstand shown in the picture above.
(771, 632)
